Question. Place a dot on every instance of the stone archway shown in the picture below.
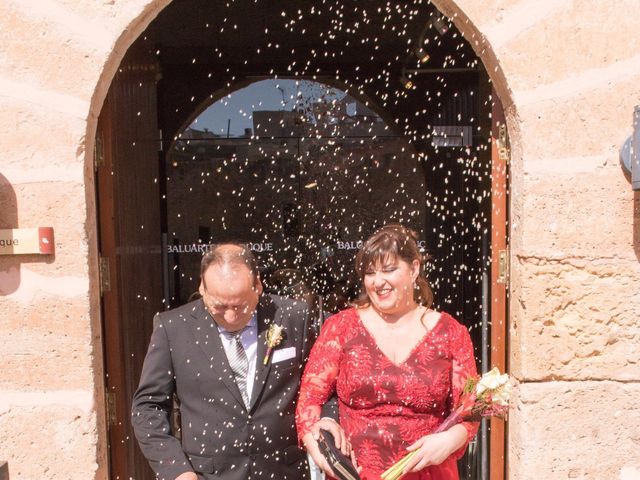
(151, 11)
(456, 11)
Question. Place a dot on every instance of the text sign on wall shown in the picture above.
(357, 245)
(202, 248)
(20, 241)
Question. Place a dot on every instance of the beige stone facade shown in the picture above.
(568, 74)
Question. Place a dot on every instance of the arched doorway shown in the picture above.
(167, 187)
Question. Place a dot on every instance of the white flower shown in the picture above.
(501, 395)
(491, 381)
(274, 335)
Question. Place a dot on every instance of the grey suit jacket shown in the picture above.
(221, 438)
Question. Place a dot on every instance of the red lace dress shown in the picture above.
(386, 407)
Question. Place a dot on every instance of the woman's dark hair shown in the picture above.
(393, 242)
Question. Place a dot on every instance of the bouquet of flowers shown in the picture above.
(486, 396)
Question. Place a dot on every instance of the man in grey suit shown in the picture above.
(237, 399)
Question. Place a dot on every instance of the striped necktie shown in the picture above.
(239, 364)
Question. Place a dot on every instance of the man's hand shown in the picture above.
(336, 430)
(311, 444)
(310, 441)
(187, 476)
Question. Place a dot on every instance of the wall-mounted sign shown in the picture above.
(202, 248)
(357, 245)
(21, 241)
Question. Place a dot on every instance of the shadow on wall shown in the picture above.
(636, 223)
(10, 275)
(9, 264)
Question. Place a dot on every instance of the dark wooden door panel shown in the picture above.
(499, 282)
(130, 239)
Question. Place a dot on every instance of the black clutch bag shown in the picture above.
(340, 464)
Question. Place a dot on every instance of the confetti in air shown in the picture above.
(300, 127)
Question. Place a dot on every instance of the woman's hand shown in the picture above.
(310, 441)
(435, 448)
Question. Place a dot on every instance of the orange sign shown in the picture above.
(20, 241)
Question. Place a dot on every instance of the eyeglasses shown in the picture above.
(221, 309)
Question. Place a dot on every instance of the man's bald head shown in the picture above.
(230, 285)
(228, 256)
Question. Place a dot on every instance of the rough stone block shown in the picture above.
(28, 157)
(50, 315)
(37, 360)
(55, 441)
(605, 35)
(573, 213)
(47, 52)
(567, 322)
(594, 121)
(583, 430)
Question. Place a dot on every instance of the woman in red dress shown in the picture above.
(397, 366)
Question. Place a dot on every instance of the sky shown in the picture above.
(271, 94)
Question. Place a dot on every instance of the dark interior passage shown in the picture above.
(383, 116)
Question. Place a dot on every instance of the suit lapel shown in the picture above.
(205, 332)
(267, 311)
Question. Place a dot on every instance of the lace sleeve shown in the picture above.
(320, 374)
(464, 366)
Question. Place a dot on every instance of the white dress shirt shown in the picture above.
(249, 339)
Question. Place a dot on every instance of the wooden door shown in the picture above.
(499, 273)
(129, 231)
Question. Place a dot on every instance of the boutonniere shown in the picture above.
(274, 337)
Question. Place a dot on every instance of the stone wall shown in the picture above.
(57, 58)
(568, 73)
